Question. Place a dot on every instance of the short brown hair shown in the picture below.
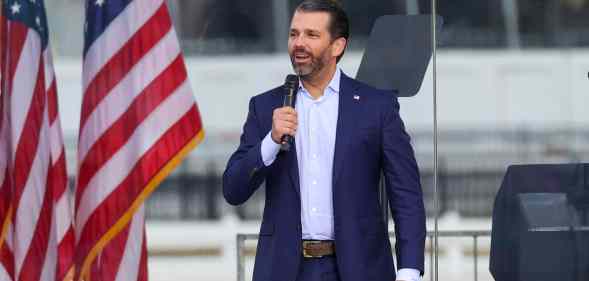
(339, 25)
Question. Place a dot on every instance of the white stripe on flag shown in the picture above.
(56, 141)
(48, 63)
(129, 267)
(50, 265)
(116, 36)
(62, 215)
(118, 100)
(23, 86)
(113, 172)
(29, 207)
(3, 274)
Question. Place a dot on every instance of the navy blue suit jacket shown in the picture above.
(370, 138)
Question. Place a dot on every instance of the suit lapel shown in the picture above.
(290, 156)
(345, 124)
(294, 168)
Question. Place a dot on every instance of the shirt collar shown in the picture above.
(333, 84)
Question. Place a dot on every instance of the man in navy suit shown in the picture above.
(322, 218)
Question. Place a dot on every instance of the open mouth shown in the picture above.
(302, 57)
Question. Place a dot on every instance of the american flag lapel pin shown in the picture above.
(356, 97)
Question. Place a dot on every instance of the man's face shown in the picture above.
(309, 43)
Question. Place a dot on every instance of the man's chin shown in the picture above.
(302, 71)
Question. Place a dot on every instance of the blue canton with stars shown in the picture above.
(99, 14)
(30, 13)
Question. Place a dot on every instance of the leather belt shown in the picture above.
(318, 248)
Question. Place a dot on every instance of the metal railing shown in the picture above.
(475, 235)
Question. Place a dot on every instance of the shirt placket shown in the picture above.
(313, 156)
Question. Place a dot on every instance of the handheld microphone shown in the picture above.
(291, 86)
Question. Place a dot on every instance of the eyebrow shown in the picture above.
(306, 30)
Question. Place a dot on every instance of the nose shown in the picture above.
(298, 41)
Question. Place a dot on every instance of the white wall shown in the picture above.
(475, 89)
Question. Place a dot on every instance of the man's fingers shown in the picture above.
(285, 126)
(290, 118)
(284, 121)
(279, 123)
(288, 131)
(286, 111)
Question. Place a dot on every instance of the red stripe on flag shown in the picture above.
(65, 255)
(3, 46)
(3, 53)
(65, 247)
(17, 34)
(52, 102)
(119, 201)
(124, 60)
(5, 199)
(6, 257)
(142, 276)
(29, 138)
(7, 260)
(120, 131)
(59, 177)
(111, 257)
(3, 28)
(35, 258)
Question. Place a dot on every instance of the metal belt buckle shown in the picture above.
(305, 254)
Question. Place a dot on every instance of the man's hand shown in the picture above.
(284, 122)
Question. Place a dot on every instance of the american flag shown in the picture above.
(138, 120)
(36, 238)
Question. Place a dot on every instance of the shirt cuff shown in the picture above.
(408, 274)
(269, 149)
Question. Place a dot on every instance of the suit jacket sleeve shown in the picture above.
(403, 189)
(245, 170)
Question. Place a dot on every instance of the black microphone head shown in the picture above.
(291, 82)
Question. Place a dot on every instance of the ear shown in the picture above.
(338, 46)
